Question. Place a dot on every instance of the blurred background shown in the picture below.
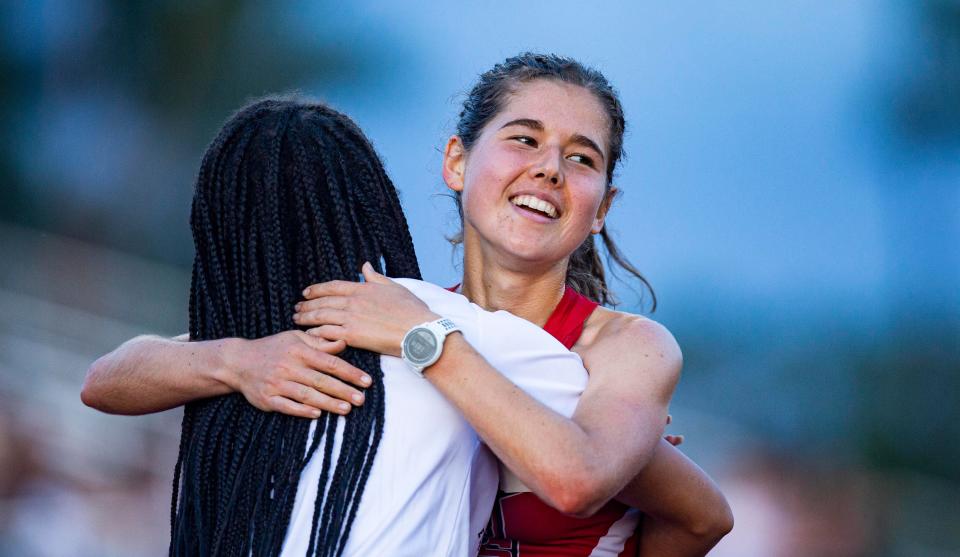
(792, 191)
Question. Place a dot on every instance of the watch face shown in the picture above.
(420, 345)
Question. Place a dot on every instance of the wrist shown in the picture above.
(423, 344)
(427, 317)
(452, 344)
(225, 360)
(396, 349)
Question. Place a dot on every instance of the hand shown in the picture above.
(373, 315)
(294, 373)
(674, 440)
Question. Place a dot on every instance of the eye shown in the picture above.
(582, 159)
(525, 139)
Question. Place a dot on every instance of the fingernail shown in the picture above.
(317, 413)
(306, 291)
(296, 316)
(357, 397)
(344, 406)
(366, 380)
(297, 307)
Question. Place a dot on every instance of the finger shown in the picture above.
(321, 317)
(322, 344)
(332, 302)
(337, 367)
(674, 440)
(332, 288)
(308, 396)
(329, 332)
(291, 408)
(330, 386)
(371, 275)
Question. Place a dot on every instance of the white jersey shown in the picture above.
(433, 483)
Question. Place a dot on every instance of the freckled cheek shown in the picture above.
(480, 204)
(485, 190)
(502, 165)
(586, 206)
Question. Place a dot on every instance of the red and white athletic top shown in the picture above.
(523, 525)
(433, 483)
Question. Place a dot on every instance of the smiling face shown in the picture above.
(534, 183)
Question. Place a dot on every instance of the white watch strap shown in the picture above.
(440, 328)
(446, 326)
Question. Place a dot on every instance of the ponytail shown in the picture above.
(587, 275)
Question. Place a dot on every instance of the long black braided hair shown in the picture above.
(290, 193)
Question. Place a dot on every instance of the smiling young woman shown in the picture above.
(544, 148)
(532, 165)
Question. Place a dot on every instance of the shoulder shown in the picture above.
(644, 342)
(607, 325)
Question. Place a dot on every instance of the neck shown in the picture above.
(530, 292)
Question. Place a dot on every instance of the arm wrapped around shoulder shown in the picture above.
(686, 512)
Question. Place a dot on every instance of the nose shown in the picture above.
(548, 168)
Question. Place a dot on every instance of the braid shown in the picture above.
(330, 436)
(288, 194)
(393, 231)
(353, 160)
(302, 173)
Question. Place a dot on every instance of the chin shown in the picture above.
(532, 254)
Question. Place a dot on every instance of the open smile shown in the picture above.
(534, 206)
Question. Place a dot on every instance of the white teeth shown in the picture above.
(535, 203)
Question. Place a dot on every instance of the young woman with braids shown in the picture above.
(291, 193)
(277, 198)
(294, 374)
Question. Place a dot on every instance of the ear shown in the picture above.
(608, 198)
(454, 162)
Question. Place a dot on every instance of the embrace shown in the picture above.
(330, 410)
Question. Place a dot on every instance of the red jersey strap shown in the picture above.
(566, 321)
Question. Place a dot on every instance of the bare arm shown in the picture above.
(150, 374)
(575, 465)
(686, 512)
(287, 372)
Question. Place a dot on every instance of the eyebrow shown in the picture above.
(525, 122)
(537, 125)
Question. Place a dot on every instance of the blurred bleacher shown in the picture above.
(74, 481)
